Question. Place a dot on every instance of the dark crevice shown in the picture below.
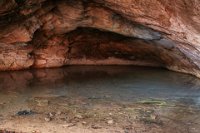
(20, 2)
(89, 45)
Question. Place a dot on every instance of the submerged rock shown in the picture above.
(41, 101)
(47, 119)
(25, 112)
(110, 121)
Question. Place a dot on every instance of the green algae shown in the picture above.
(153, 102)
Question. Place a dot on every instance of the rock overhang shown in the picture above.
(48, 33)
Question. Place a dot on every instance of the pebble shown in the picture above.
(120, 113)
(51, 114)
(153, 117)
(84, 122)
(47, 119)
(25, 112)
(2, 103)
(96, 127)
(110, 121)
(69, 125)
(42, 102)
(35, 131)
(58, 113)
(79, 116)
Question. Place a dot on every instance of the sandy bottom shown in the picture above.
(79, 115)
(99, 100)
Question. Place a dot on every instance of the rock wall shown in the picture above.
(54, 33)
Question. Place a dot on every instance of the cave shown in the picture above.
(47, 33)
(124, 66)
(89, 46)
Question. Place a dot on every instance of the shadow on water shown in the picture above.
(123, 85)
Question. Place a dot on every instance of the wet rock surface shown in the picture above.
(160, 33)
(99, 99)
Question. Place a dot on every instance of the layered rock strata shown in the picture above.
(50, 33)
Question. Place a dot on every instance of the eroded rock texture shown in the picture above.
(53, 33)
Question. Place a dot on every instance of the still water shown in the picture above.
(149, 92)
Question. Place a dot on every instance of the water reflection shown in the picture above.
(121, 82)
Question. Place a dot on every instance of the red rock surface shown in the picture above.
(50, 33)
